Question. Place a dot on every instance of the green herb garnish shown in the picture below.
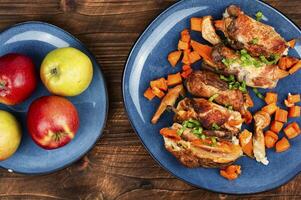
(258, 94)
(259, 15)
(229, 107)
(213, 97)
(215, 127)
(213, 140)
(254, 41)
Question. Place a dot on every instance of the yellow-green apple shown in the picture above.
(52, 121)
(10, 135)
(18, 78)
(66, 71)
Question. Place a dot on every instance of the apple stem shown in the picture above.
(53, 71)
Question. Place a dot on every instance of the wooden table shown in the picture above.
(118, 167)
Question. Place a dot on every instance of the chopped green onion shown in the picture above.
(259, 15)
(254, 41)
(229, 107)
(190, 125)
(258, 94)
(203, 137)
(222, 77)
(195, 122)
(213, 140)
(215, 126)
(213, 97)
(180, 131)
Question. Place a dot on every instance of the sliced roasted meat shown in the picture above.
(206, 84)
(192, 151)
(212, 116)
(262, 120)
(246, 68)
(257, 38)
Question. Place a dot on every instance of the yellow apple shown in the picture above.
(10, 135)
(66, 71)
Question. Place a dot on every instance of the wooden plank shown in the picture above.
(118, 167)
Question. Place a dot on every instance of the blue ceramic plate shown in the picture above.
(148, 61)
(36, 39)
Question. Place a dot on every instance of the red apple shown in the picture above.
(18, 78)
(52, 121)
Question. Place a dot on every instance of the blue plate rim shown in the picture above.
(106, 97)
(135, 129)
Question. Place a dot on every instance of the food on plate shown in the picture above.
(196, 24)
(206, 130)
(281, 115)
(262, 120)
(292, 130)
(286, 62)
(197, 149)
(174, 57)
(295, 68)
(253, 71)
(207, 84)
(211, 116)
(17, 78)
(276, 126)
(270, 139)
(291, 100)
(10, 135)
(208, 31)
(246, 142)
(247, 33)
(231, 172)
(168, 101)
(282, 145)
(66, 71)
(294, 111)
(271, 97)
(52, 121)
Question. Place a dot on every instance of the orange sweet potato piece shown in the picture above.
(271, 97)
(174, 57)
(194, 57)
(271, 108)
(281, 115)
(231, 172)
(270, 139)
(291, 43)
(185, 36)
(282, 145)
(186, 73)
(287, 62)
(196, 24)
(149, 94)
(295, 67)
(292, 130)
(203, 50)
(174, 79)
(186, 67)
(276, 126)
(170, 133)
(159, 83)
(183, 45)
(294, 111)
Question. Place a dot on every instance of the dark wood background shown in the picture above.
(118, 167)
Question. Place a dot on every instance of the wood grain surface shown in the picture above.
(118, 167)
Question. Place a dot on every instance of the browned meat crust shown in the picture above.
(265, 76)
(242, 30)
(206, 84)
(208, 114)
